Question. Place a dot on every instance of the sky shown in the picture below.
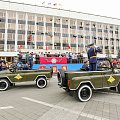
(109, 8)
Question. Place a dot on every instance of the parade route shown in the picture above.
(26, 102)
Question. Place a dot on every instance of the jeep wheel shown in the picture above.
(41, 83)
(4, 84)
(84, 93)
(118, 87)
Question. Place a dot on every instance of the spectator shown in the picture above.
(78, 58)
(70, 57)
(42, 55)
(81, 58)
(48, 54)
(56, 55)
(75, 56)
(27, 57)
(23, 58)
(67, 55)
(19, 57)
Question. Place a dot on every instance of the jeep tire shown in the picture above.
(61, 77)
(4, 84)
(41, 82)
(84, 93)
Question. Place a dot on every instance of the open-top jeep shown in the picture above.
(40, 76)
(83, 81)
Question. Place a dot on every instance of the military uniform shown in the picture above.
(85, 66)
(92, 56)
(31, 61)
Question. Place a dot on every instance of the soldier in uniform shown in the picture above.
(92, 56)
(31, 60)
(85, 66)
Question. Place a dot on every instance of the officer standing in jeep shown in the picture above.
(92, 56)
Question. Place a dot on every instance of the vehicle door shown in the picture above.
(96, 78)
(18, 76)
(109, 78)
(31, 75)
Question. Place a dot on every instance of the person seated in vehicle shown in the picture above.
(85, 66)
(26, 67)
(13, 67)
(22, 66)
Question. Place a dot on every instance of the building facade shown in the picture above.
(36, 27)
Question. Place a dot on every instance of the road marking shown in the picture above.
(8, 107)
(65, 109)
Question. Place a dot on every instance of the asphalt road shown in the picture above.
(26, 102)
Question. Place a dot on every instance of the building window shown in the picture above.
(11, 15)
(2, 14)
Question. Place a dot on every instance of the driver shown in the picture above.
(85, 66)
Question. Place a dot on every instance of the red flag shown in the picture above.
(55, 4)
(46, 47)
(69, 47)
(20, 46)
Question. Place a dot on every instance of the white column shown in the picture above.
(35, 36)
(109, 38)
(114, 36)
(90, 33)
(96, 34)
(61, 38)
(26, 28)
(103, 39)
(53, 33)
(76, 37)
(84, 49)
(44, 31)
(16, 34)
(6, 28)
(69, 32)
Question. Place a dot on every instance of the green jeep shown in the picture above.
(83, 81)
(9, 77)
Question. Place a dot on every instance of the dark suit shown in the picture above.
(92, 56)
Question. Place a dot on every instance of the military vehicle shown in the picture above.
(10, 77)
(83, 82)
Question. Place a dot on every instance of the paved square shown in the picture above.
(27, 102)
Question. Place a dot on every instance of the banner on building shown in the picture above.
(53, 60)
(54, 69)
(64, 67)
(40, 67)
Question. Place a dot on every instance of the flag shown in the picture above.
(46, 47)
(43, 2)
(69, 47)
(20, 46)
(60, 5)
(49, 3)
(55, 4)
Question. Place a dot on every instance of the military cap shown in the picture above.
(85, 61)
(91, 44)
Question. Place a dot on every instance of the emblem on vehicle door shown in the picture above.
(18, 77)
(111, 79)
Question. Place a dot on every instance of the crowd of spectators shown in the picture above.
(3, 64)
(24, 57)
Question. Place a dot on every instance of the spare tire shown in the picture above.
(61, 78)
